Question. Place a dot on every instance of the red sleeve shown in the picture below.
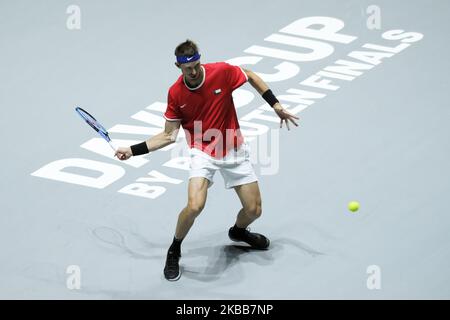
(236, 76)
(172, 112)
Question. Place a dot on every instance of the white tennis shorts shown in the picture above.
(235, 168)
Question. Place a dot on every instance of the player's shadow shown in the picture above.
(115, 239)
(221, 259)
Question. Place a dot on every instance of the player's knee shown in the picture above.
(195, 207)
(254, 211)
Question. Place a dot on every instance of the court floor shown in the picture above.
(78, 224)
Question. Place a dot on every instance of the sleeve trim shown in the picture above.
(168, 119)
(246, 77)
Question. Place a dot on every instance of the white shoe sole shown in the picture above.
(174, 279)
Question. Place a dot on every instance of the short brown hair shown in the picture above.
(187, 48)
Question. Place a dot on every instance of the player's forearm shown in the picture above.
(257, 83)
(159, 141)
(263, 89)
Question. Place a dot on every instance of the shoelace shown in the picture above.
(254, 236)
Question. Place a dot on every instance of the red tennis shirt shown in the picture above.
(207, 112)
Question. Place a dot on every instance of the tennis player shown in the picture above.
(201, 102)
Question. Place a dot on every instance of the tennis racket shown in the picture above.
(94, 124)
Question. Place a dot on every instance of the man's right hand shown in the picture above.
(124, 153)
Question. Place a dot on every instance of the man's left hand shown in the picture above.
(284, 116)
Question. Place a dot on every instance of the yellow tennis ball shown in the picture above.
(353, 206)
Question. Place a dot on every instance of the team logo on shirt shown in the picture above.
(217, 91)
